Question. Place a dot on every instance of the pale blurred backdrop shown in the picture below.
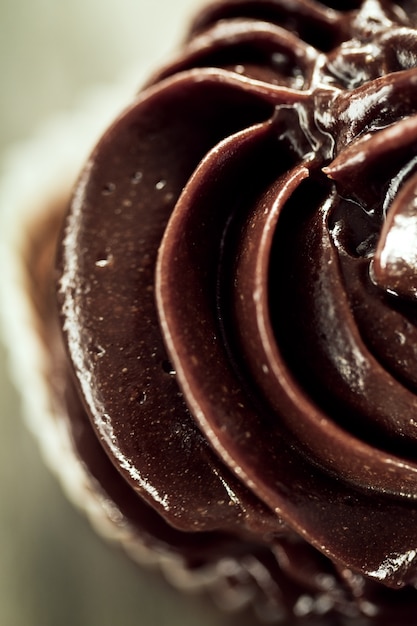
(54, 571)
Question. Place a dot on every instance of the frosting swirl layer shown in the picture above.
(238, 288)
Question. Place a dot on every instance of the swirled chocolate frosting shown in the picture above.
(238, 294)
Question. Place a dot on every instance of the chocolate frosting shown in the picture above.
(237, 288)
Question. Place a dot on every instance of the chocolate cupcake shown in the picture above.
(229, 328)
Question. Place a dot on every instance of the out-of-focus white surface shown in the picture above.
(54, 570)
(53, 51)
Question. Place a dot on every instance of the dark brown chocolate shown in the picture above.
(238, 283)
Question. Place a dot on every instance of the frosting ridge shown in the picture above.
(237, 284)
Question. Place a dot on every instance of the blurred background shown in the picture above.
(54, 571)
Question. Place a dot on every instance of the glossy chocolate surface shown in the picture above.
(238, 283)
